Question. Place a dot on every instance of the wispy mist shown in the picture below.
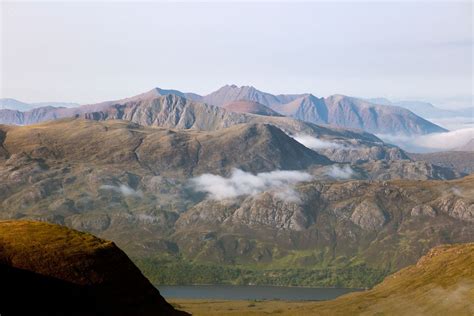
(337, 172)
(245, 183)
(124, 189)
(315, 143)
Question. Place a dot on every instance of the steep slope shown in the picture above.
(170, 111)
(242, 106)
(61, 271)
(343, 111)
(440, 283)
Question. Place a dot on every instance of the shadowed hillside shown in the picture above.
(59, 271)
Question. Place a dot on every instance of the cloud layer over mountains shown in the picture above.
(432, 142)
(246, 183)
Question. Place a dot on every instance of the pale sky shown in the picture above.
(95, 51)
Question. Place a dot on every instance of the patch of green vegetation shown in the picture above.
(181, 272)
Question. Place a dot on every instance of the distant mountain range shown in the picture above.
(426, 109)
(337, 110)
(12, 104)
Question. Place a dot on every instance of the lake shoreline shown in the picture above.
(252, 292)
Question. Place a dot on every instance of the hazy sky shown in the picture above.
(95, 51)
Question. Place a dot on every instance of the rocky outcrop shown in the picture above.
(368, 215)
(271, 211)
(456, 207)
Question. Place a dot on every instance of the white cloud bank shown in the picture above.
(432, 142)
(315, 143)
(245, 183)
(337, 172)
(124, 189)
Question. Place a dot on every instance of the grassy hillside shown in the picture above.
(441, 283)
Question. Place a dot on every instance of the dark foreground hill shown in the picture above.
(441, 283)
(47, 269)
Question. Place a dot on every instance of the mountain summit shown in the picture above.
(336, 110)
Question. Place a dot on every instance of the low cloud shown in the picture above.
(244, 183)
(346, 172)
(315, 143)
(432, 142)
(124, 189)
(455, 123)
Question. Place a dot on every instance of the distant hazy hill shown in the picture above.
(13, 104)
(337, 110)
(60, 271)
(343, 111)
(425, 109)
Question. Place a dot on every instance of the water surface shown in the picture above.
(250, 292)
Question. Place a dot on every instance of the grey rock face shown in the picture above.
(368, 215)
(456, 207)
(266, 210)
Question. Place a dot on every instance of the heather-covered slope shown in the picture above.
(59, 271)
(251, 147)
